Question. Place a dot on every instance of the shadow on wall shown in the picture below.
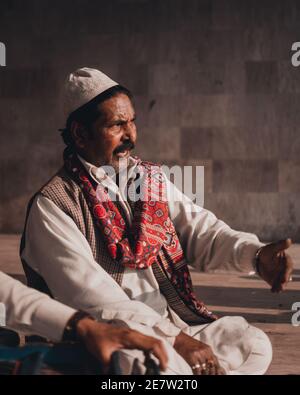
(239, 300)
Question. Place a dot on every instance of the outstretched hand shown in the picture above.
(275, 266)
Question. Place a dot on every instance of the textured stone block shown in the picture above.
(26, 123)
(92, 50)
(135, 78)
(164, 111)
(289, 215)
(164, 141)
(229, 14)
(134, 16)
(262, 77)
(207, 111)
(245, 176)
(245, 142)
(27, 83)
(213, 84)
(221, 46)
(29, 174)
(204, 78)
(196, 143)
(179, 14)
(166, 49)
(244, 210)
(252, 111)
(166, 79)
(289, 78)
(12, 214)
(237, 14)
(289, 209)
(9, 188)
(289, 176)
(194, 13)
(267, 43)
(287, 110)
(136, 48)
(255, 43)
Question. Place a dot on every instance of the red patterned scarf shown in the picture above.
(152, 230)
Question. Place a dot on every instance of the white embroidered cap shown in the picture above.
(82, 86)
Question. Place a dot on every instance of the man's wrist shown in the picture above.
(181, 337)
(73, 329)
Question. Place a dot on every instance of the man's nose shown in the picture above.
(129, 131)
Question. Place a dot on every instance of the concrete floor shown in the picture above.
(227, 294)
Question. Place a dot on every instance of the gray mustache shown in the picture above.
(125, 146)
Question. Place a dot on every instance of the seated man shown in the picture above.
(32, 312)
(95, 247)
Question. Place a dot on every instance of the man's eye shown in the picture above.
(116, 127)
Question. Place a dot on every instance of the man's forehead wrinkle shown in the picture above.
(114, 110)
(122, 112)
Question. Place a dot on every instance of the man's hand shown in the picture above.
(275, 266)
(198, 355)
(102, 340)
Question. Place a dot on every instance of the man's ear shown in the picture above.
(79, 134)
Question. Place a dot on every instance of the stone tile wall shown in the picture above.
(213, 83)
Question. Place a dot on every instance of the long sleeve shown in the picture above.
(59, 252)
(32, 312)
(209, 244)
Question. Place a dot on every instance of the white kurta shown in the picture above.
(59, 252)
(32, 312)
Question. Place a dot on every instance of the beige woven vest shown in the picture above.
(64, 192)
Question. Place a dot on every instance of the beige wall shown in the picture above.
(214, 85)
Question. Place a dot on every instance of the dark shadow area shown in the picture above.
(296, 277)
(283, 318)
(247, 297)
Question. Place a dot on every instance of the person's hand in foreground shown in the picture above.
(102, 340)
(198, 355)
(274, 265)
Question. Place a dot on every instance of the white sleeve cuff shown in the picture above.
(246, 254)
(50, 319)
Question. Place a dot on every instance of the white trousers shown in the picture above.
(241, 348)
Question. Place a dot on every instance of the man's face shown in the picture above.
(113, 134)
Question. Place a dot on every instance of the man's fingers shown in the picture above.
(213, 367)
(104, 354)
(276, 287)
(161, 354)
(197, 363)
(286, 269)
(281, 281)
(281, 245)
(148, 343)
(217, 365)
